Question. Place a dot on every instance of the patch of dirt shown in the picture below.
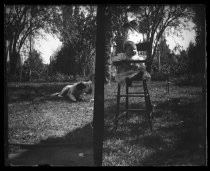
(53, 156)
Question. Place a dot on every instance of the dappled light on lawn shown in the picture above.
(178, 136)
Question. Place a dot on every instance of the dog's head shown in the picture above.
(85, 87)
(89, 87)
(80, 86)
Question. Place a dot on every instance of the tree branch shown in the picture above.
(24, 38)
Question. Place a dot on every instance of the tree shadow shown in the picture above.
(183, 139)
(132, 125)
(58, 151)
(178, 136)
(63, 150)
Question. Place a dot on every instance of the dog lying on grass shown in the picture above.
(74, 91)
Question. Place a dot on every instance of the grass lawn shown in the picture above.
(179, 129)
(179, 124)
(36, 120)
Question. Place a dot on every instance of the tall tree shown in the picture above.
(119, 18)
(33, 66)
(116, 16)
(153, 21)
(86, 26)
(22, 21)
(163, 52)
(64, 61)
(108, 43)
(200, 52)
(78, 30)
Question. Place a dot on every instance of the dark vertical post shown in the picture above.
(98, 116)
(148, 103)
(5, 109)
(168, 79)
(5, 104)
(168, 84)
(204, 55)
(118, 106)
(126, 99)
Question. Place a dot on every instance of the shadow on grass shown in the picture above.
(63, 150)
(178, 136)
(57, 150)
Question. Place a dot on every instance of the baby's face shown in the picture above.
(130, 51)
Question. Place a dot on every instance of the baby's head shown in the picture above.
(130, 49)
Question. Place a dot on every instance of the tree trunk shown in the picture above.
(84, 72)
(30, 75)
(13, 63)
(150, 58)
(13, 57)
(98, 115)
(21, 73)
(108, 42)
(7, 49)
(159, 62)
(204, 95)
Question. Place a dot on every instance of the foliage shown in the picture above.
(196, 60)
(22, 21)
(78, 29)
(200, 27)
(171, 65)
(153, 21)
(183, 80)
(59, 77)
(158, 76)
(116, 17)
(33, 67)
(164, 51)
(192, 61)
(181, 66)
(63, 61)
(187, 66)
(200, 21)
(75, 27)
